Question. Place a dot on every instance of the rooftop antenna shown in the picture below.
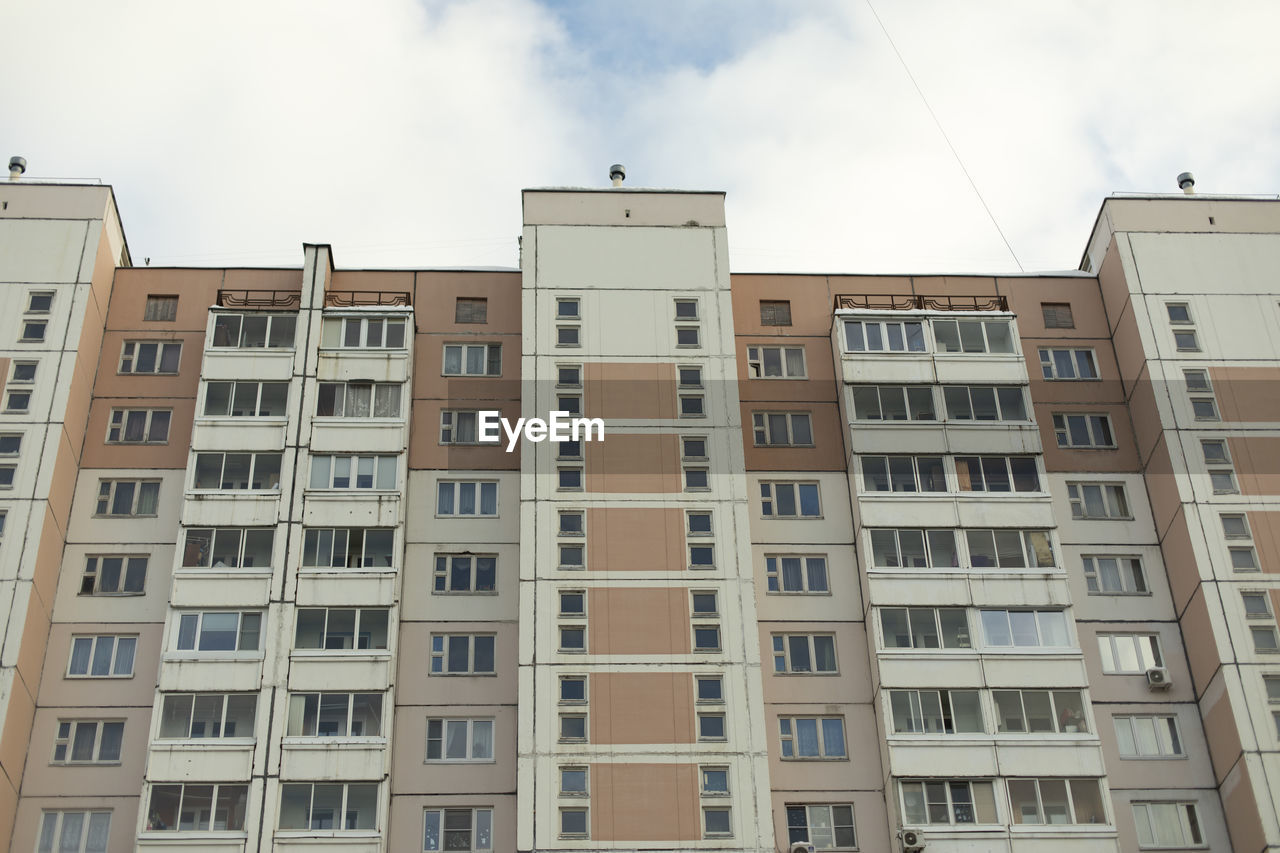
(17, 165)
(1187, 182)
(617, 174)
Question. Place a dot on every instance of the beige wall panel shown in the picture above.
(638, 621)
(412, 774)
(56, 689)
(124, 818)
(405, 822)
(35, 636)
(45, 779)
(627, 391)
(1257, 463)
(415, 687)
(63, 484)
(1130, 354)
(617, 206)
(196, 289)
(627, 258)
(860, 772)
(622, 539)
(42, 250)
(646, 463)
(827, 453)
(852, 683)
(1112, 283)
(810, 298)
(49, 557)
(645, 802)
(172, 454)
(641, 708)
(426, 451)
(1265, 528)
(1247, 394)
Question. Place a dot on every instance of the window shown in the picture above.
(3, 517)
(1235, 526)
(790, 500)
(214, 631)
(348, 548)
(239, 471)
(160, 309)
(686, 309)
(692, 406)
(825, 827)
(569, 336)
(775, 312)
(893, 403)
(102, 657)
(568, 309)
(716, 822)
(573, 782)
(703, 603)
(363, 333)
(1256, 605)
(1197, 380)
(33, 331)
(709, 689)
(127, 497)
(998, 473)
(812, 737)
(329, 805)
(796, 573)
(1167, 825)
(254, 331)
(342, 629)
(23, 372)
(775, 362)
(1098, 501)
(1272, 684)
(947, 801)
(573, 823)
(115, 575)
(903, 474)
(1185, 340)
(353, 472)
(935, 712)
(711, 726)
(459, 740)
(7, 475)
(1115, 575)
(1039, 711)
(925, 628)
(462, 654)
(573, 728)
(715, 781)
(150, 356)
(1223, 478)
(698, 523)
(572, 523)
(1179, 313)
(1024, 628)
(1148, 736)
(74, 832)
(1077, 364)
(1010, 549)
(471, 310)
(459, 830)
(1264, 639)
(88, 742)
(1083, 431)
(782, 429)
(197, 808)
(1243, 559)
(1057, 315)
(246, 399)
(1203, 405)
(207, 715)
(984, 403)
(1124, 654)
(702, 556)
(573, 689)
(139, 426)
(358, 400)
(693, 447)
(458, 497)
(17, 402)
(572, 555)
(914, 549)
(804, 653)
(1056, 801)
(463, 573)
(883, 336)
(971, 336)
(228, 547)
(573, 638)
(472, 360)
(10, 444)
(689, 376)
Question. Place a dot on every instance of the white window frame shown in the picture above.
(392, 394)
(917, 473)
(93, 572)
(130, 349)
(951, 803)
(1095, 578)
(1110, 495)
(440, 654)
(1027, 540)
(758, 354)
(906, 399)
(1055, 714)
(909, 333)
(1010, 475)
(946, 711)
(231, 398)
(769, 491)
(812, 567)
(242, 535)
(1050, 364)
(1097, 429)
(481, 824)
(1146, 649)
(1002, 407)
(107, 491)
(209, 818)
(220, 733)
(118, 421)
(1188, 823)
(1164, 736)
(766, 431)
(783, 651)
(815, 828)
(53, 830)
(66, 744)
(985, 325)
(1042, 622)
(383, 464)
(443, 573)
(112, 659)
(198, 631)
(333, 333)
(249, 486)
(456, 487)
(470, 727)
(492, 357)
(926, 545)
(789, 737)
(271, 337)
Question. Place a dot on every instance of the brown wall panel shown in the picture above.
(1162, 489)
(428, 365)
(827, 453)
(638, 621)
(646, 463)
(1025, 296)
(426, 451)
(809, 295)
(1240, 805)
(629, 390)
(261, 279)
(196, 289)
(1247, 394)
(641, 707)
(1220, 729)
(1200, 642)
(1112, 283)
(1265, 529)
(436, 294)
(1257, 463)
(1130, 354)
(1124, 458)
(1180, 562)
(112, 383)
(171, 454)
(645, 802)
(645, 539)
(1145, 416)
(819, 385)
(372, 281)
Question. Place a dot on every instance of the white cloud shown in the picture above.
(402, 132)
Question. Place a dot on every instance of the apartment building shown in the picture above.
(956, 563)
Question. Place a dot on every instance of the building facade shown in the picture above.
(957, 563)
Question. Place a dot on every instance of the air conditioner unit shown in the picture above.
(801, 847)
(912, 840)
(1158, 678)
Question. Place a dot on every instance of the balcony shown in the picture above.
(909, 302)
(260, 300)
(367, 298)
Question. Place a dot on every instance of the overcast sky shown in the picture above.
(401, 131)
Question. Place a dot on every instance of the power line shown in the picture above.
(945, 138)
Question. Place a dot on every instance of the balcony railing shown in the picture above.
(355, 298)
(260, 299)
(908, 302)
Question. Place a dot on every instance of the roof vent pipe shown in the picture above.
(17, 165)
(617, 174)
(1187, 182)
